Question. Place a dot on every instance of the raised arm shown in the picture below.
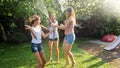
(62, 27)
(45, 35)
(68, 24)
(46, 28)
(27, 27)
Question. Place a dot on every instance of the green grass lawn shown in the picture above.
(20, 56)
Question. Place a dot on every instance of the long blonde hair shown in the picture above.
(72, 13)
(33, 18)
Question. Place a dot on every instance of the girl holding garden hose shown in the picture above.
(53, 37)
(37, 34)
(69, 38)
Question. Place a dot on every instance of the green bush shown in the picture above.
(18, 37)
(97, 26)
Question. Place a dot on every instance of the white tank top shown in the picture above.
(54, 34)
(37, 32)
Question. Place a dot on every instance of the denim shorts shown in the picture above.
(36, 47)
(70, 38)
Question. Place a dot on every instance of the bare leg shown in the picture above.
(57, 50)
(43, 58)
(65, 54)
(70, 54)
(50, 50)
(37, 56)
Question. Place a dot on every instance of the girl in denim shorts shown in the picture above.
(37, 34)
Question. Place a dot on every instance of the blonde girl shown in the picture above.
(37, 34)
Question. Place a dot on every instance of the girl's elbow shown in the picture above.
(36, 38)
(44, 36)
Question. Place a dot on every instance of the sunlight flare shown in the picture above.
(112, 6)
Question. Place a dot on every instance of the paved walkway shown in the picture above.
(99, 42)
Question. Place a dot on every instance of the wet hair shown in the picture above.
(71, 13)
(33, 19)
(50, 16)
(52, 13)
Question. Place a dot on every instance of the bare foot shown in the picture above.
(48, 62)
(65, 65)
(38, 66)
(57, 61)
(73, 64)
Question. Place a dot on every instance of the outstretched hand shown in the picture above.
(61, 25)
(54, 25)
(49, 20)
(46, 28)
(27, 27)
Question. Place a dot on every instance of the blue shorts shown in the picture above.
(70, 38)
(36, 47)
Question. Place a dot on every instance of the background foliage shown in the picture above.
(92, 18)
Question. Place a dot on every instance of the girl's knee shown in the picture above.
(57, 49)
(50, 49)
(44, 62)
(63, 48)
(68, 51)
(38, 62)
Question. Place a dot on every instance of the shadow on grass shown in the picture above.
(97, 65)
(89, 60)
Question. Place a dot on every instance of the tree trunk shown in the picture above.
(3, 34)
(20, 23)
